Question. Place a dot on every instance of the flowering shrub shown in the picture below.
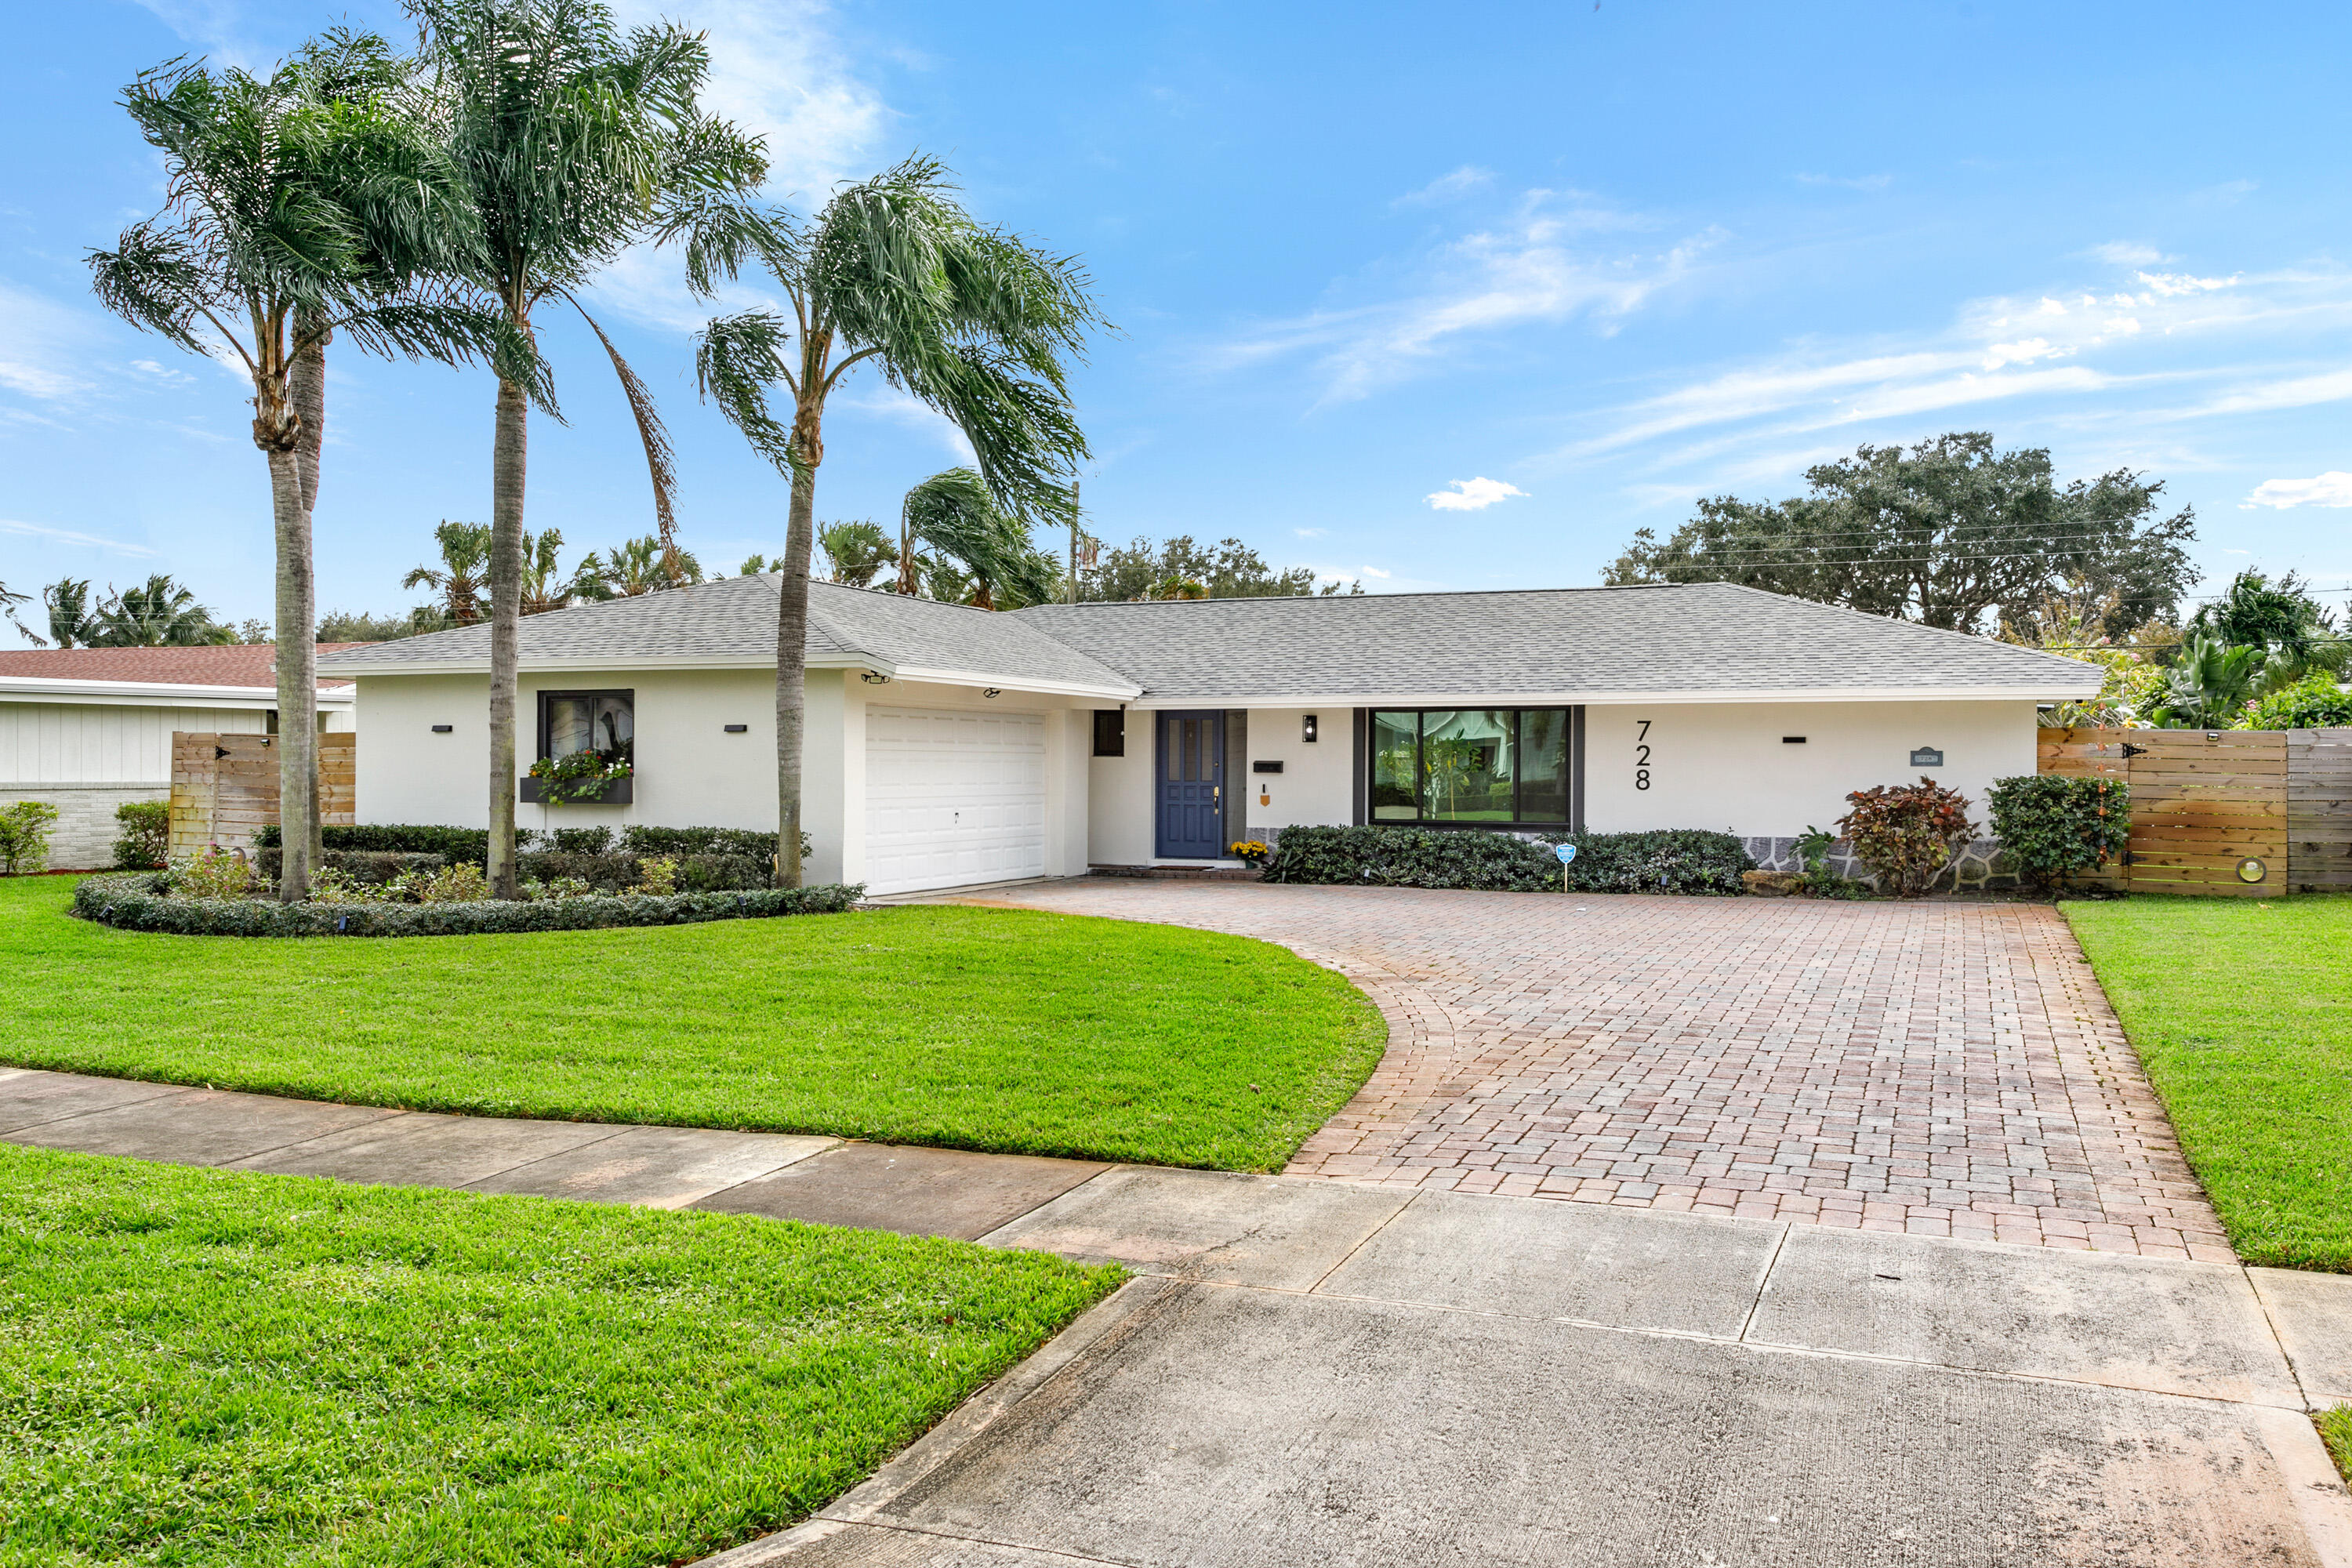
(1907, 833)
(656, 878)
(146, 844)
(1249, 849)
(584, 775)
(215, 873)
(2314, 702)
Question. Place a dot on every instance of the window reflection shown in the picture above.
(1485, 765)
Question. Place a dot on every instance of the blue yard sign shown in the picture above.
(1567, 852)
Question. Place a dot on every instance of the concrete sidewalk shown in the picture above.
(1312, 1372)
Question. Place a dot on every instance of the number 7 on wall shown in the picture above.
(1641, 755)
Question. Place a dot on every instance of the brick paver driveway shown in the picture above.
(1941, 1068)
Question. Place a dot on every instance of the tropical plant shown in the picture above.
(360, 625)
(584, 775)
(1231, 571)
(573, 141)
(9, 600)
(2317, 701)
(2281, 618)
(464, 574)
(2056, 828)
(954, 516)
(298, 205)
(146, 835)
(854, 552)
(641, 566)
(72, 624)
(1906, 834)
(24, 836)
(1945, 533)
(2211, 683)
(212, 872)
(544, 586)
(158, 613)
(967, 320)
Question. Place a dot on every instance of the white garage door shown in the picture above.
(952, 798)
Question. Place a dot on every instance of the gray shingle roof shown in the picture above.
(1571, 643)
(732, 621)
(1680, 638)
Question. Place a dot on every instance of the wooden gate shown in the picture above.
(2204, 802)
(224, 788)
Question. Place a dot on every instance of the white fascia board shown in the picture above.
(2039, 693)
(151, 693)
(610, 662)
(1020, 683)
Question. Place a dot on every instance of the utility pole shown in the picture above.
(1073, 542)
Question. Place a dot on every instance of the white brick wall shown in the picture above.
(83, 837)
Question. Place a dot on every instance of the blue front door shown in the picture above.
(1190, 767)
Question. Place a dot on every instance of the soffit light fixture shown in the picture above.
(873, 678)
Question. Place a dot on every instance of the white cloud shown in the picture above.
(1473, 495)
(1375, 572)
(1447, 187)
(2169, 284)
(885, 402)
(2331, 489)
(1311, 532)
(2126, 253)
(1848, 181)
(67, 536)
(776, 71)
(1530, 270)
(42, 346)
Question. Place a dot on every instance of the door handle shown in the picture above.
(1216, 791)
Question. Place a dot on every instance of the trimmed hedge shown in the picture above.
(1678, 860)
(452, 844)
(374, 868)
(133, 902)
(696, 873)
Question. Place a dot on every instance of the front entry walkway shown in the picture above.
(1939, 1068)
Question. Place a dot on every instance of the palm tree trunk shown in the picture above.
(307, 390)
(298, 680)
(507, 470)
(791, 668)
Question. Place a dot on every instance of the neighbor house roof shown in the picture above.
(231, 675)
(1683, 642)
(224, 664)
(731, 624)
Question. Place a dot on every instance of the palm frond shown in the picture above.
(736, 359)
(659, 460)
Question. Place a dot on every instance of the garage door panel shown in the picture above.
(953, 798)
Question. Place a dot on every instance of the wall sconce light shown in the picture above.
(738, 729)
(444, 728)
(993, 691)
(1307, 729)
(875, 677)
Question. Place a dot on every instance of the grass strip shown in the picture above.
(219, 1369)
(1008, 1030)
(2241, 1009)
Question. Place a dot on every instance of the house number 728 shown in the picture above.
(1641, 755)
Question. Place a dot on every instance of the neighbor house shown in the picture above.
(949, 746)
(87, 729)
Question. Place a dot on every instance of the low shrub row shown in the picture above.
(370, 868)
(696, 873)
(136, 902)
(473, 844)
(1682, 860)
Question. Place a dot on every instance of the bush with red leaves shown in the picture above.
(1907, 833)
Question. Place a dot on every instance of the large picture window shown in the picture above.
(1471, 765)
(604, 723)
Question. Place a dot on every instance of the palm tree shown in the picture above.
(158, 613)
(283, 202)
(643, 567)
(545, 586)
(953, 513)
(464, 572)
(856, 552)
(72, 624)
(8, 602)
(574, 142)
(2211, 683)
(969, 322)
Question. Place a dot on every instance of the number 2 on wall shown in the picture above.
(1641, 755)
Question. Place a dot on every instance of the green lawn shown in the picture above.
(217, 1369)
(2243, 1012)
(977, 1028)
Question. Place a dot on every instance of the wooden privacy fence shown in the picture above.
(224, 787)
(2205, 802)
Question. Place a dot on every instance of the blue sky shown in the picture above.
(1432, 296)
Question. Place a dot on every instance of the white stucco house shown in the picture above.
(87, 729)
(949, 746)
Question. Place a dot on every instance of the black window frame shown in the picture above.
(542, 699)
(1110, 732)
(1572, 765)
